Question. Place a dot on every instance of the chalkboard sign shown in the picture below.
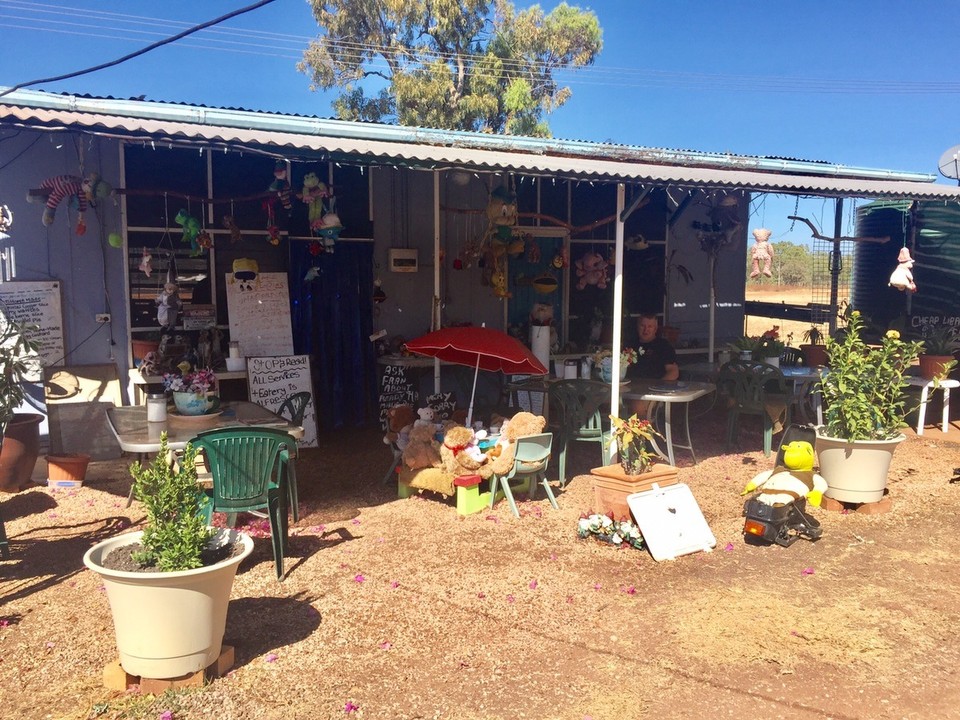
(271, 380)
(260, 314)
(395, 389)
(37, 303)
(443, 405)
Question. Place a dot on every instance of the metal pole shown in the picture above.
(617, 307)
(836, 263)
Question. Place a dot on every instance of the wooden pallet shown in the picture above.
(116, 678)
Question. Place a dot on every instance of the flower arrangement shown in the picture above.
(603, 527)
(199, 381)
(631, 436)
(864, 390)
(769, 344)
(744, 344)
(628, 356)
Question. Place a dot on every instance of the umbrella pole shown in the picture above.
(473, 392)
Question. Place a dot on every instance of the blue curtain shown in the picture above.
(332, 322)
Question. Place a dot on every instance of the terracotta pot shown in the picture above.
(932, 365)
(19, 452)
(69, 469)
(814, 355)
(140, 348)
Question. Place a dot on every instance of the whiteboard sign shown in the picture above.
(37, 303)
(260, 314)
(271, 380)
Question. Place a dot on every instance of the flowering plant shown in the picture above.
(609, 530)
(198, 381)
(632, 437)
(864, 389)
(769, 344)
(628, 356)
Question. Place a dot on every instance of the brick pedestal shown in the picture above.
(116, 678)
(611, 485)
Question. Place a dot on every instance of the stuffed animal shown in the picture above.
(592, 269)
(456, 455)
(791, 481)
(521, 424)
(425, 418)
(399, 421)
(280, 186)
(902, 276)
(191, 228)
(541, 314)
(502, 213)
(231, 224)
(145, 259)
(762, 253)
(55, 189)
(329, 229)
(168, 305)
(313, 193)
(422, 450)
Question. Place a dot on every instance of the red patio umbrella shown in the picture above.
(481, 348)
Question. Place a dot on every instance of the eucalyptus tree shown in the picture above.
(454, 64)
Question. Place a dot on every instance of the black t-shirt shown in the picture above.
(653, 358)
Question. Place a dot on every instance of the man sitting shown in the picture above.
(656, 358)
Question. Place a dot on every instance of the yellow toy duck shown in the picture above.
(792, 480)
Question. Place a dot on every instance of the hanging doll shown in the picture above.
(762, 253)
(313, 193)
(145, 259)
(902, 276)
(168, 305)
(280, 186)
(55, 189)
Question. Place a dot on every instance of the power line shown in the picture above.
(147, 49)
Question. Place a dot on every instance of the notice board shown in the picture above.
(37, 303)
(260, 314)
(271, 380)
(395, 389)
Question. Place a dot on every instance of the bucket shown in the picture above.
(67, 470)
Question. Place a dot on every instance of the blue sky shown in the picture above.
(867, 84)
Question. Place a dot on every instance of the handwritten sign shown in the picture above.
(271, 380)
(443, 405)
(37, 303)
(260, 314)
(395, 389)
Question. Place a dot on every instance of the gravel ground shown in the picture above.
(401, 609)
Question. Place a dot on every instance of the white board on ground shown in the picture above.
(260, 314)
(271, 380)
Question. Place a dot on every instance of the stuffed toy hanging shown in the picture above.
(313, 193)
(191, 228)
(902, 276)
(168, 305)
(762, 253)
(592, 269)
(280, 186)
(230, 224)
(145, 267)
(55, 189)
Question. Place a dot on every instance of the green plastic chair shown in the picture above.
(753, 388)
(576, 414)
(293, 409)
(249, 467)
(530, 459)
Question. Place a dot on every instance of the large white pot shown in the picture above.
(168, 624)
(855, 470)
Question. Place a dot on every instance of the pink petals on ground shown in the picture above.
(807, 571)
(350, 707)
(533, 584)
(359, 578)
(270, 657)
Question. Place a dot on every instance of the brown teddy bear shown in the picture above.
(521, 424)
(456, 453)
(422, 449)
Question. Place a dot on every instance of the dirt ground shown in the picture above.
(754, 326)
(401, 609)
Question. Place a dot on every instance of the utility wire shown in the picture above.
(142, 51)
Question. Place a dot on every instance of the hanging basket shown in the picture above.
(67, 470)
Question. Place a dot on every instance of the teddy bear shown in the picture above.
(902, 276)
(399, 421)
(592, 269)
(520, 425)
(456, 453)
(762, 253)
(422, 450)
(426, 418)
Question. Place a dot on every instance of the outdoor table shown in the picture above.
(804, 381)
(925, 387)
(540, 385)
(656, 392)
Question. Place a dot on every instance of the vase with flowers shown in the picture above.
(864, 396)
(770, 346)
(603, 361)
(194, 392)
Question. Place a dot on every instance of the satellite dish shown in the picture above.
(950, 163)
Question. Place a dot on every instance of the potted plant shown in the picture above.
(937, 358)
(770, 346)
(19, 432)
(744, 347)
(169, 584)
(194, 392)
(814, 350)
(632, 438)
(865, 405)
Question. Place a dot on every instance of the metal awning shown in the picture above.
(440, 149)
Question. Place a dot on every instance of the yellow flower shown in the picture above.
(893, 334)
(855, 313)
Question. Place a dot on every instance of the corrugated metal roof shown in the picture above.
(386, 144)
